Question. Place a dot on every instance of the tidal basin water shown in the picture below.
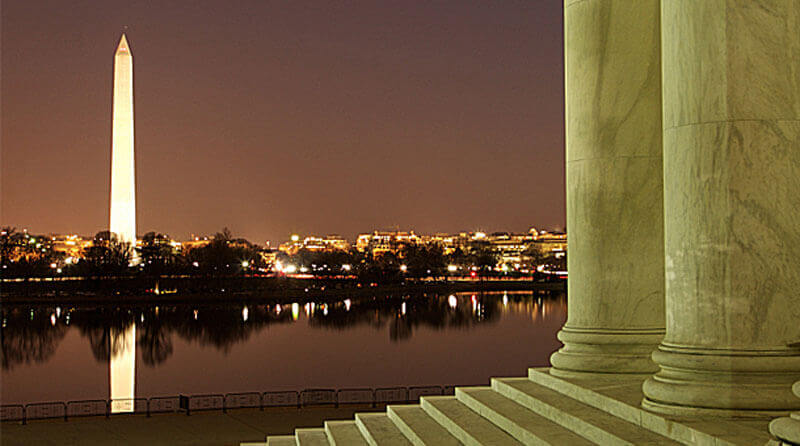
(62, 352)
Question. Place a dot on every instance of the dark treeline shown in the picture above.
(226, 256)
(32, 334)
(227, 265)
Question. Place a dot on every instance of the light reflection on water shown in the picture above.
(148, 350)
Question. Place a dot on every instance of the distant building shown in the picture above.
(332, 242)
(71, 245)
(195, 242)
(509, 247)
(381, 242)
(552, 242)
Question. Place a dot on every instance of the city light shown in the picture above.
(452, 268)
(245, 313)
(245, 264)
(403, 268)
(452, 301)
(346, 267)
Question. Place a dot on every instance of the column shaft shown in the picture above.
(732, 208)
(614, 187)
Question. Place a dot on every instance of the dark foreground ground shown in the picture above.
(201, 428)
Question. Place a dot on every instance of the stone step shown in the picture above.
(463, 423)
(344, 433)
(311, 437)
(621, 396)
(281, 440)
(589, 422)
(523, 424)
(418, 427)
(378, 430)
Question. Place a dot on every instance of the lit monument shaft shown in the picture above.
(122, 369)
(123, 175)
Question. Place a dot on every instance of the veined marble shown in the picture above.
(731, 208)
(614, 187)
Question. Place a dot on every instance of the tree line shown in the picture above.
(226, 255)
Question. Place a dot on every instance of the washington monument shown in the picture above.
(123, 174)
(122, 366)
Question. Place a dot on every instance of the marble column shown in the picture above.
(731, 208)
(787, 429)
(614, 187)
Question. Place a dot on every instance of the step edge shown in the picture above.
(524, 435)
(361, 422)
(672, 429)
(565, 419)
(403, 427)
(332, 424)
(363, 429)
(460, 434)
(309, 430)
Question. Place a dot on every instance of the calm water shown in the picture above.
(70, 353)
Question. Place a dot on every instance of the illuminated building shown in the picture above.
(332, 242)
(71, 245)
(380, 242)
(552, 241)
(195, 242)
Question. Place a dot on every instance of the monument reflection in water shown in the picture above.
(122, 369)
(67, 352)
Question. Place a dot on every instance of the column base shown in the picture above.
(601, 351)
(787, 429)
(717, 382)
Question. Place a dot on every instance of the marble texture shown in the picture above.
(731, 208)
(614, 184)
(787, 429)
(730, 60)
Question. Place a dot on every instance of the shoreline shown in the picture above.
(239, 290)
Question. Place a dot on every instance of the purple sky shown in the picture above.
(272, 117)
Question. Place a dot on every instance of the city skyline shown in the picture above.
(310, 118)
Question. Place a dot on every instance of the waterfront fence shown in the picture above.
(206, 402)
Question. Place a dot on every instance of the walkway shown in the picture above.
(201, 428)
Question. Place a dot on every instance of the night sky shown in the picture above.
(272, 117)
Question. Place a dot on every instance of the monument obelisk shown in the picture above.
(122, 220)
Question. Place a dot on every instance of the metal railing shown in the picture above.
(224, 402)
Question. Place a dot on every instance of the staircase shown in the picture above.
(541, 409)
